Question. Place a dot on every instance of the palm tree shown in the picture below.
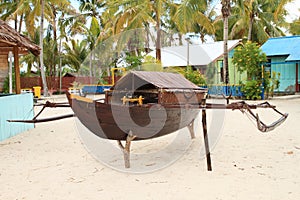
(257, 20)
(45, 87)
(194, 16)
(7, 10)
(295, 27)
(30, 59)
(75, 53)
(225, 14)
(138, 14)
(92, 35)
(33, 10)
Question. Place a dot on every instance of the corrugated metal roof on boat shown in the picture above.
(136, 79)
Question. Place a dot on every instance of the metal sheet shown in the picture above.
(164, 80)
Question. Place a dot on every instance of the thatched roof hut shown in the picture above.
(18, 44)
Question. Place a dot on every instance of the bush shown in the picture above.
(194, 76)
(252, 90)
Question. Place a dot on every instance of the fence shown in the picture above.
(233, 90)
(53, 83)
(15, 107)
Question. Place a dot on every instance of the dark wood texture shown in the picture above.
(147, 121)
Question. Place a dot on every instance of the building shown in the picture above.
(14, 106)
(207, 58)
(284, 58)
(17, 44)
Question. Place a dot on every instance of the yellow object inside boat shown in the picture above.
(139, 100)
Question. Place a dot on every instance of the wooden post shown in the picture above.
(204, 126)
(191, 129)
(297, 77)
(17, 70)
(126, 149)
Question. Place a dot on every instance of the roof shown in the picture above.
(164, 80)
(199, 55)
(283, 46)
(11, 38)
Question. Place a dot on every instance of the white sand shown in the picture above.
(49, 162)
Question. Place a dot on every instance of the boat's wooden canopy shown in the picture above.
(154, 80)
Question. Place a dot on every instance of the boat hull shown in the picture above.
(147, 121)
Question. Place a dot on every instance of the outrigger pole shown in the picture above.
(50, 105)
(241, 105)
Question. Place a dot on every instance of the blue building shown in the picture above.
(284, 57)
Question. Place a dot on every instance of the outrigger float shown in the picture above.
(144, 105)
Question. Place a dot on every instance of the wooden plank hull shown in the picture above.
(147, 121)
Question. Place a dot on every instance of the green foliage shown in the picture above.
(194, 76)
(295, 27)
(133, 61)
(6, 84)
(252, 90)
(151, 64)
(271, 83)
(248, 58)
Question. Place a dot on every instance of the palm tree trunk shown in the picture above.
(225, 62)
(55, 54)
(250, 27)
(21, 22)
(158, 41)
(158, 38)
(91, 67)
(225, 13)
(42, 54)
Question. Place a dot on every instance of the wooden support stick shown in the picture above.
(126, 149)
(191, 129)
(204, 126)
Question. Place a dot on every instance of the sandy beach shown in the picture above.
(52, 161)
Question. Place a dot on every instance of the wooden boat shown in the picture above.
(144, 105)
(141, 102)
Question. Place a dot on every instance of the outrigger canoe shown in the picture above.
(144, 105)
(148, 109)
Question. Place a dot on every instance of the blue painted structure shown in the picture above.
(95, 89)
(284, 58)
(233, 90)
(15, 107)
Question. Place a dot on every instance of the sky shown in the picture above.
(293, 9)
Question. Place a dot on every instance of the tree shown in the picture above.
(295, 27)
(30, 11)
(225, 13)
(257, 20)
(8, 9)
(45, 87)
(193, 16)
(249, 58)
(75, 53)
(138, 14)
(31, 60)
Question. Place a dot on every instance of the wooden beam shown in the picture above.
(17, 70)
(8, 42)
(206, 143)
(297, 77)
(5, 50)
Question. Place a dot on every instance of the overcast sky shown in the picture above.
(293, 9)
